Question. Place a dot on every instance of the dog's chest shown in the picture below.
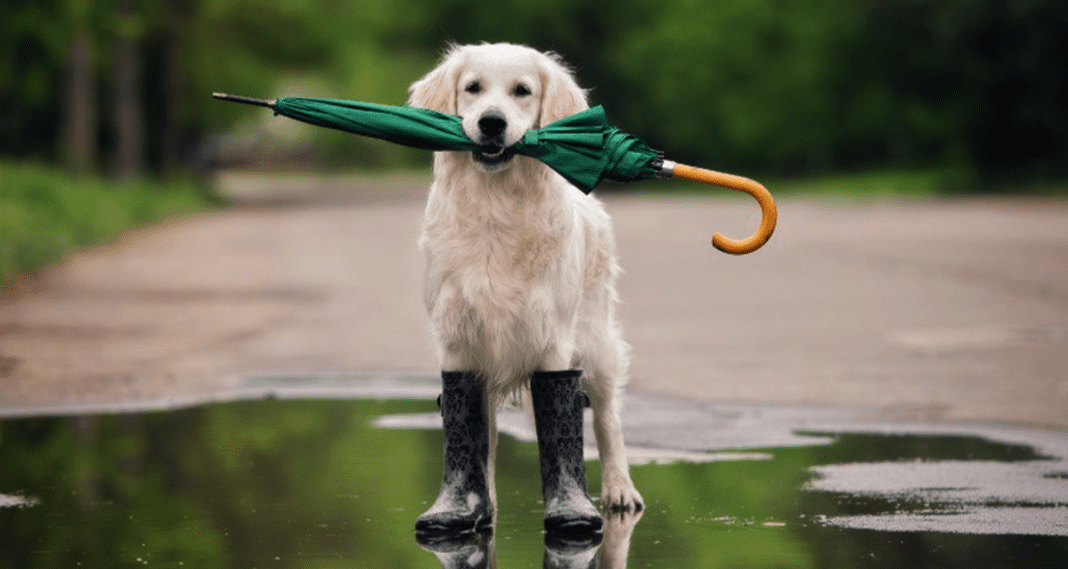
(502, 271)
(497, 261)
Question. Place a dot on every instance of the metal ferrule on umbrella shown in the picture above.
(583, 148)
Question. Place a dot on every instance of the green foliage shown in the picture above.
(781, 87)
(45, 213)
(742, 83)
(33, 36)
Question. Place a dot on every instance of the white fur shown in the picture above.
(520, 265)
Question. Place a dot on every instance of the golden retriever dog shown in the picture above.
(520, 266)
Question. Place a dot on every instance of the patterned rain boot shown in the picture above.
(463, 505)
(558, 406)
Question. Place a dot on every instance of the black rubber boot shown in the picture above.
(463, 505)
(558, 406)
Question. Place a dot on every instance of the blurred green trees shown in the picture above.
(774, 86)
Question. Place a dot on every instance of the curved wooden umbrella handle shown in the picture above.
(770, 213)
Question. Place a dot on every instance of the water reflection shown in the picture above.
(462, 550)
(476, 550)
(312, 483)
(617, 534)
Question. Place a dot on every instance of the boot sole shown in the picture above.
(572, 527)
(460, 527)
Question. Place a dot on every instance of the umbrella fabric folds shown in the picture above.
(408, 126)
(583, 147)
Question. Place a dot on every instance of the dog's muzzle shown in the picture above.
(491, 127)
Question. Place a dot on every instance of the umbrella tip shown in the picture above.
(246, 100)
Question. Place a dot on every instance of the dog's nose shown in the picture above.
(492, 124)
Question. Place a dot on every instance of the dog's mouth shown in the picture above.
(492, 157)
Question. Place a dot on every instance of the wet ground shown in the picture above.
(332, 470)
(135, 430)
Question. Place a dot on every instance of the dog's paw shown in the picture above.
(619, 495)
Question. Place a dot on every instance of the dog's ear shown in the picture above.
(561, 96)
(437, 90)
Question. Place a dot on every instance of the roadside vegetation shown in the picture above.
(44, 212)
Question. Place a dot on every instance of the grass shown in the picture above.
(45, 213)
(875, 184)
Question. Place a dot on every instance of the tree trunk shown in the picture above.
(172, 83)
(79, 116)
(129, 114)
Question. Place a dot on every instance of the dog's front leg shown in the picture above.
(617, 490)
(492, 404)
(468, 496)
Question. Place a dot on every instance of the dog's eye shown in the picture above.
(473, 87)
(521, 90)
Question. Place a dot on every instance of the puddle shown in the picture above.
(321, 483)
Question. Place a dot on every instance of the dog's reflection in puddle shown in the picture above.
(475, 550)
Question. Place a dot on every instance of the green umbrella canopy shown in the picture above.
(583, 147)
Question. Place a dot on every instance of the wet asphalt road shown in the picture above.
(952, 310)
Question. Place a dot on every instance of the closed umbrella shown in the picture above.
(583, 148)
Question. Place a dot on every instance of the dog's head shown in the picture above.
(500, 91)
